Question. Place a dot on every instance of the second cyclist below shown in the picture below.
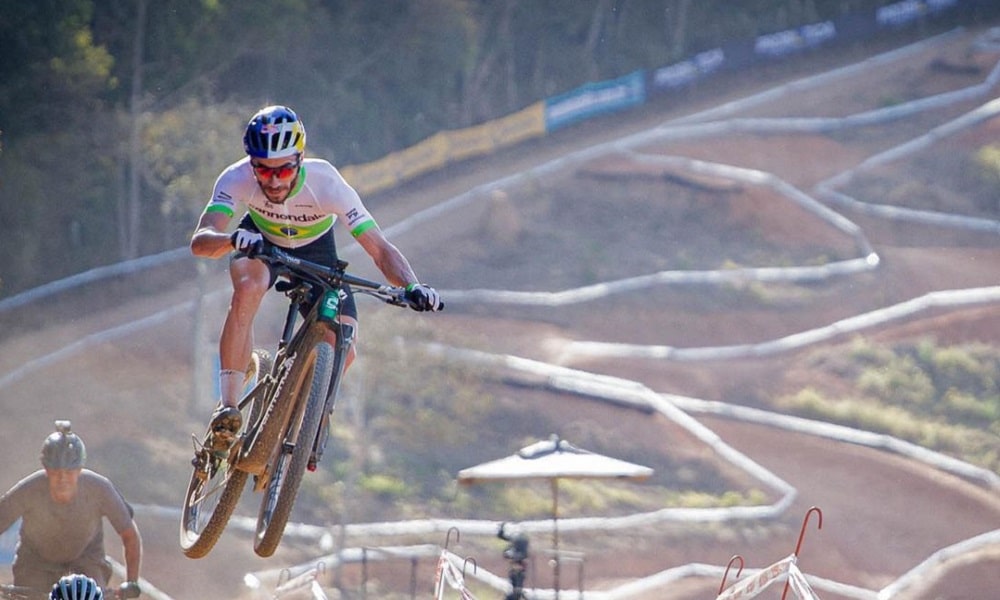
(62, 510)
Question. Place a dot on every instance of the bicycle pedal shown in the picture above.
(220, 443)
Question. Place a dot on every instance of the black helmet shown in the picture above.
(63, 449)
(76, 587)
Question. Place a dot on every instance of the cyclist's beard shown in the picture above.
(277, 191)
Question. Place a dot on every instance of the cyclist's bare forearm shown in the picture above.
(211, 245)
(132, 543)
(389, 260)
(210, 239)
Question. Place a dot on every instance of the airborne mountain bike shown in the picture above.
(286, 409)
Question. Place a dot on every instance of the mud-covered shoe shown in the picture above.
(226, 423)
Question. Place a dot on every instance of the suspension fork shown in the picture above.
(345, 337)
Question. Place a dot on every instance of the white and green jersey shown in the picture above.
(319, 198)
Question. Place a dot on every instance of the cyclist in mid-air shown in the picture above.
(292, 202)
(62, 510)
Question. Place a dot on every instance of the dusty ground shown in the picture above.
(604, 219)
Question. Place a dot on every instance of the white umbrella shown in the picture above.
(552, 460)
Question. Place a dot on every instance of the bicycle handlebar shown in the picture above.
(293, 266)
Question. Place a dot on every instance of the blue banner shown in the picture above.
(592, 99)
(686, 72)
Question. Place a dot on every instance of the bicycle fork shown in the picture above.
(345, 337)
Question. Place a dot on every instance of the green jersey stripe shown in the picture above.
(286, 230)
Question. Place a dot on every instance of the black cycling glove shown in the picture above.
(423, 297)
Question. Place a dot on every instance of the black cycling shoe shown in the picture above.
(226, 423)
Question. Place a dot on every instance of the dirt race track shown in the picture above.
(613, 213)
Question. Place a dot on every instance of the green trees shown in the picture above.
(53, 71)
(115, 115)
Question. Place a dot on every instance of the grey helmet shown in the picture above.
(63, 449)
(76, 587)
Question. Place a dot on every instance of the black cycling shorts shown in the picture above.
(322, 251)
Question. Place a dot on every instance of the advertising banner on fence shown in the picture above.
(525, 124)
(793, 40)
(686, 72)
(595, 98)
(429, 155)
(446, 147)
(470, 142)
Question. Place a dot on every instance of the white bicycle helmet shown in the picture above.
(76, 587)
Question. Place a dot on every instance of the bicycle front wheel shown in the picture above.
(216, 483)
(288, 464)
(212, 494)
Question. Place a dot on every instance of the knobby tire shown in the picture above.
(275, 420)
(339, 364)
(289, 461)
(202, 522)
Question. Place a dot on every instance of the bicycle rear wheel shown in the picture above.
(288, 464)
(216, 484)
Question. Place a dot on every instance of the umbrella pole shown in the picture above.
(555, 534)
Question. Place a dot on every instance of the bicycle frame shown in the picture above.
(286, 412)
(314, 291)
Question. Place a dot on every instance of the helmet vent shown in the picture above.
(274, 132)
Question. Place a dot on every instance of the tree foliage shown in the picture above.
(112, 109)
